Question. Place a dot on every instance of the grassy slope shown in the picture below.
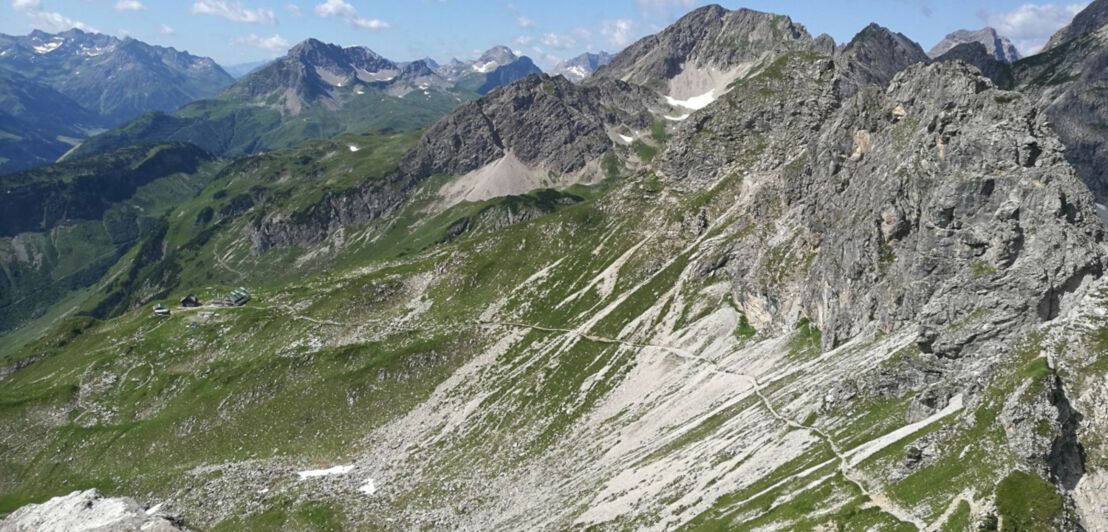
(93, 212)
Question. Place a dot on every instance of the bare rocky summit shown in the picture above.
(996, 45)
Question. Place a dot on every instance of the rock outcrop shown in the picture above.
(545, 122)
(86, 511)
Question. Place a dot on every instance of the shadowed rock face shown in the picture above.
(996, 45)
(975, 54)
(1066, 80)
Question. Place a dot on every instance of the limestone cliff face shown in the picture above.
(938, 200)
(1066, 80)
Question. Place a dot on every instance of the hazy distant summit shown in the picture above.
(997, 45)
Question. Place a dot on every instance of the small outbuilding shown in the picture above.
(190, 301)
(161, 310)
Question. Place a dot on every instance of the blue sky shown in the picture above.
(239, 31)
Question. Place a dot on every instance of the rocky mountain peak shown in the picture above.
(1089, 20)
(995, 44)
(873, 57)
(501, 55)
(315, 53)
(706, 49)
(416, 69)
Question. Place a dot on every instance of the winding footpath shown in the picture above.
(847, 460)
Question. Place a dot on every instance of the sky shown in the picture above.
(242, 31)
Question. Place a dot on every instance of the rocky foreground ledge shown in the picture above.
(87, 511)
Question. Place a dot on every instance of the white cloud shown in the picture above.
(129, 5)
(48, 20)
(524, 40)
(166, 29)
(619, 32)
(275, 43)
(558, 42)
(345, 11)
(26, 6)
(1029, 26)
(521, 20)
(293, 9)
(234, 11)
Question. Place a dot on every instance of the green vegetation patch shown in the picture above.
(1026, 502)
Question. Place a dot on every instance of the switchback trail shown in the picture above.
(877, 498)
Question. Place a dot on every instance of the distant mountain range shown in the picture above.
(320, 90)
(240, 70)
(582, 66)
(56, 89)
(116, 79)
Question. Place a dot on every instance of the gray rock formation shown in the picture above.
(996, 45)
(86, 511)
(936, 216)
(975, 54)
(545, 122)
(1066, 81)
(873, 57)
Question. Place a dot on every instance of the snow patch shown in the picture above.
(369, 488)
(485, 68)
(695, 103)
(48, 47)
(353, 148)
(337, 470)
(626, 139)
(676, 118)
